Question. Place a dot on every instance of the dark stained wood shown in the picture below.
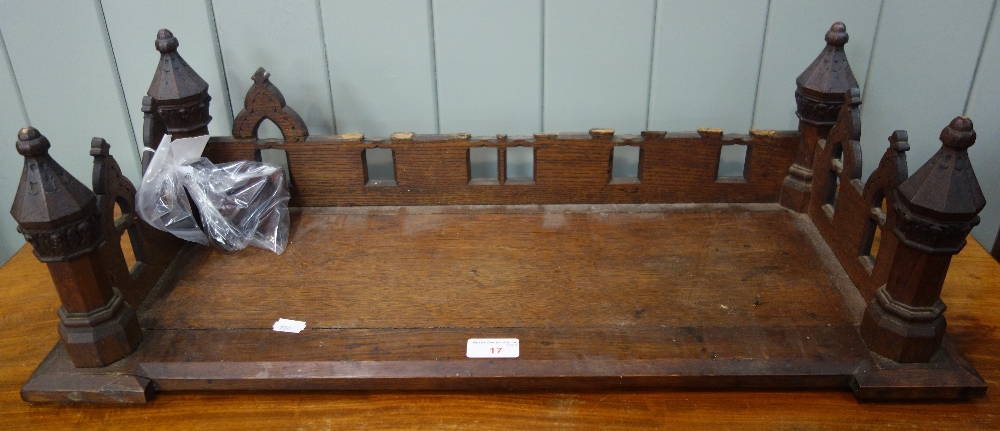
(392, 299)
(391, 296)
(607, 288)
(844, 215)
(569, 168)
(818, 98)
(456, 270)
(153, 250)
(264, 101)
(936, 209)
(61, 219)
(28, 313)
(180, 95)
(177, 101)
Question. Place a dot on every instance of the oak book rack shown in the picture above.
(795, 274)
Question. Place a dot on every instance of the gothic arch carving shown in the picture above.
(264, 101)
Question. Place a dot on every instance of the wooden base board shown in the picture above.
(652, 296)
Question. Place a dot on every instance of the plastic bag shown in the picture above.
(238, 204)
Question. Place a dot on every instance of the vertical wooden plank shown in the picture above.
(12, 118)
(597, 57)
(794, 37)
(132, 25)
(921, 69)
(286, 39)
(381, 65)
(984, 110)
(61, 55)
(489, 65)
(705, 64)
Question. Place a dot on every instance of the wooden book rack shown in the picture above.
(795, 274)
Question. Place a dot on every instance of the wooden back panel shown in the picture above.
(568, 168)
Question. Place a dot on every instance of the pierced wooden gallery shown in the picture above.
(795, 274)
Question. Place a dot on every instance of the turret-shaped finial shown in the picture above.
(820, 88)
(59, 216)
(55, 212)
(936, 207)
(945, 188)
(179, 95)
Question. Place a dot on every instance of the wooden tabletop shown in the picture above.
(28, 331)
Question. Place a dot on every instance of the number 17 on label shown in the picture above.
(492, 348)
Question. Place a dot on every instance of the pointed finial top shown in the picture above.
(177, 94)
(820, 88)
(945, 188)
(959, 133)
(837, 35)
(31, 143)
(166, 42)
(260, 76)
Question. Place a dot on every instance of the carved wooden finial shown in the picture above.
(265, 101)
(59, 216)
(935, 208)
(166, 42)
(837, 34)
(945, 188)
(819, 97)
(31, 143)
(178, 95)
(261, 77)
(56, 213)
(820, 87)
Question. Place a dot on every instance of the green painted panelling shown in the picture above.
(65, 72)
(381, 65)
(795, 36)
(11, 120)
(984, 110)
(705, 62)
(923, 64)
(489, 63)
(133, 25)
(597, 57)
(62, 58)
(285, 38)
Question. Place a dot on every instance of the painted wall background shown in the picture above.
(79, 68)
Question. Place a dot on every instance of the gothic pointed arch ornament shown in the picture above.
(264, 101)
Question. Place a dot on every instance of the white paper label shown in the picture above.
(293, 326)
(492, 348)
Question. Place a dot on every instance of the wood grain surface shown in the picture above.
(27, 322)
(486, 270)
(568, 168)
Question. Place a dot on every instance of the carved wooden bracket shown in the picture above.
(264, 100)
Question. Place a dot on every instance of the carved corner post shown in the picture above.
(177, 101)
(936, 208)
(819, 95)
(58, 215)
